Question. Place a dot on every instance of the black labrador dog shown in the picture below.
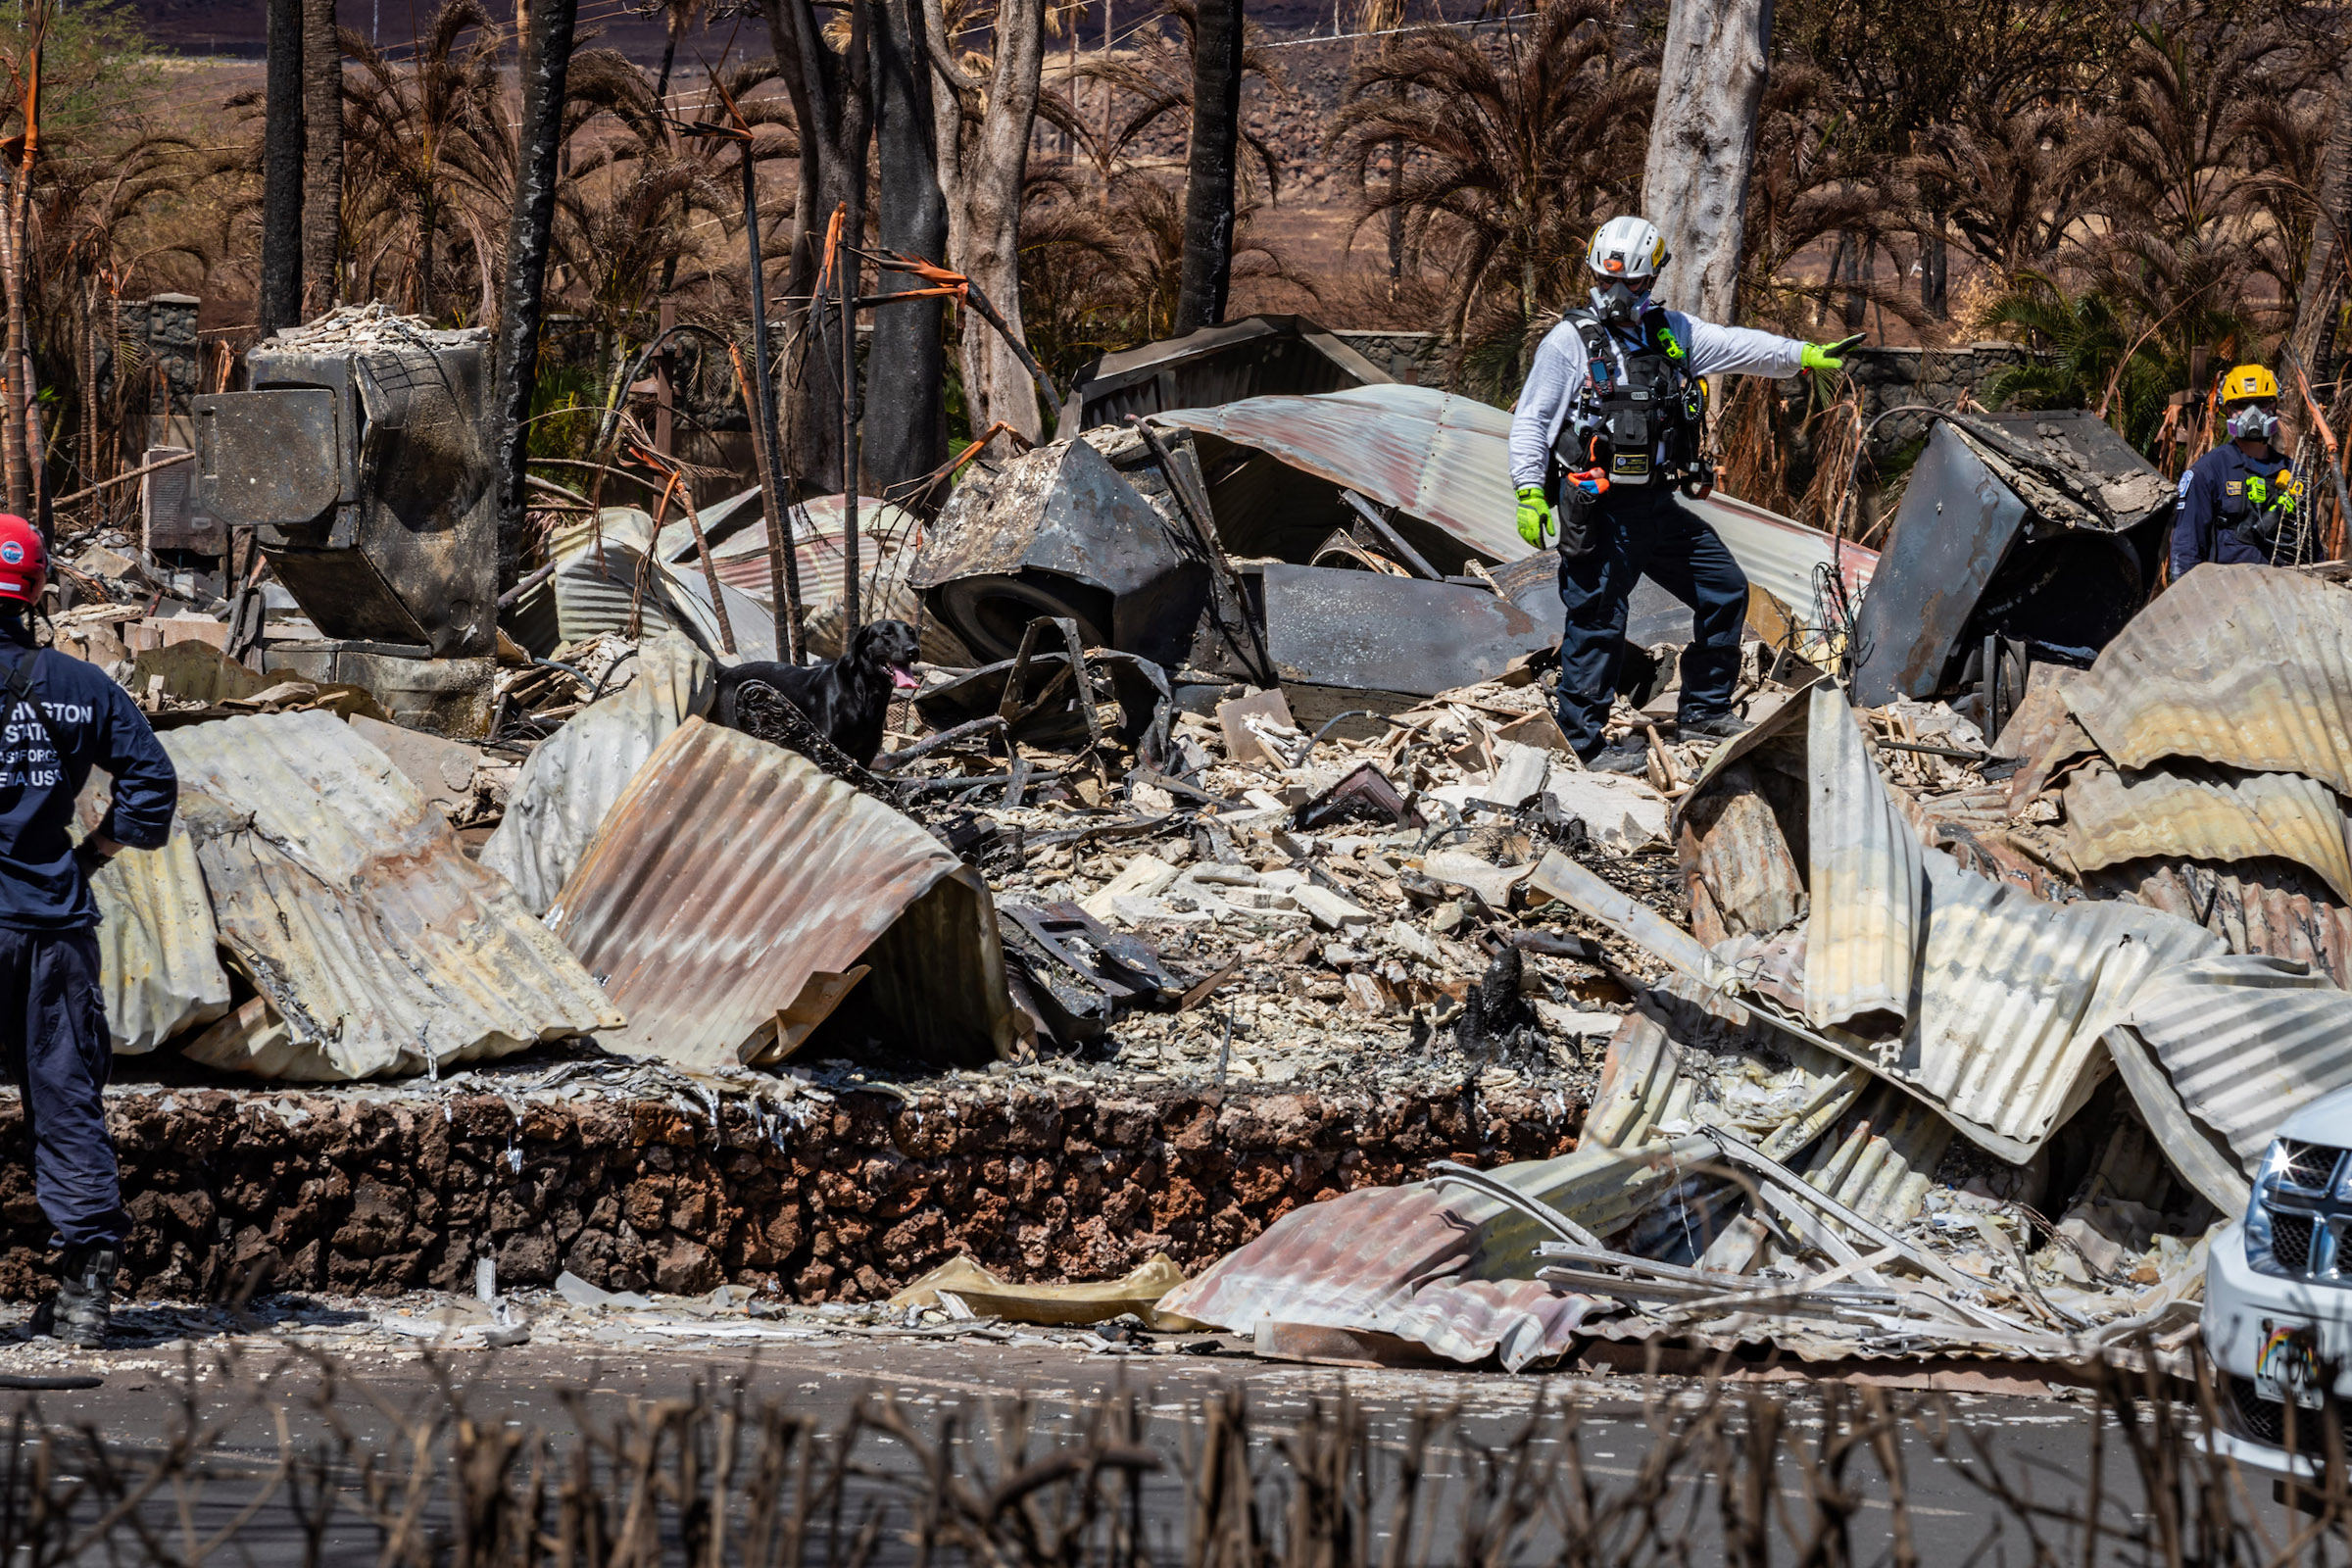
(848, 700)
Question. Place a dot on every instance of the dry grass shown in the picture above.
(1728, 1475)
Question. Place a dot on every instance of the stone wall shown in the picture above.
(1891, 377)
(366, 1192)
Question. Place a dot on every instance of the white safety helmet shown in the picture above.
(1624, 257)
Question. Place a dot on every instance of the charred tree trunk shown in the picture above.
(1934, 270)
(2320, 300)
(323, 165)
(546, 59)
(1703, 143)
(984, 164)
(280, 301)
(832, 104)
(905, 409)
(1214, 161)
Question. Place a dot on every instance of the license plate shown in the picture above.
(2288, 1368)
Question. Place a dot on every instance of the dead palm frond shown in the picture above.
(1514, 146)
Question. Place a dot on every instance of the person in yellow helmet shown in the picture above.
(2241, 502)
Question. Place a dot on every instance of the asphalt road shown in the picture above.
(237, 1506)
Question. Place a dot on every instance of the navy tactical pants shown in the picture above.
(52, 1030)
(1647, 531)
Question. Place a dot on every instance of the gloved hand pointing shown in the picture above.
(1535, 516)
(1829, 357)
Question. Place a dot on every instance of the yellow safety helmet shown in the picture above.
(2250, 383)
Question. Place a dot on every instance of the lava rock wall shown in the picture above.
(361, 1192)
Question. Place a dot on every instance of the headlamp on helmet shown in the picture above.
(1624, 258)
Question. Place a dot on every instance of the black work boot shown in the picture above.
(1626, 756)
(83, 1305)
(1714, 727)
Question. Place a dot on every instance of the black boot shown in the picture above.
(83, 1305)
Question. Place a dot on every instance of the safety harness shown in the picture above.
(2267, 512)
(1642, 414)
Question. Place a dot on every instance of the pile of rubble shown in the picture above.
(1909, 1021)
(1231, 767)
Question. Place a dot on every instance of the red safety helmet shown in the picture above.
(23, 560)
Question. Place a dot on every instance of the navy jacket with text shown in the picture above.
(97, 724)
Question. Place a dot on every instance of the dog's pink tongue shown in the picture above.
(903, 679)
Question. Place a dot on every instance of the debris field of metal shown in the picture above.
(1231, 764)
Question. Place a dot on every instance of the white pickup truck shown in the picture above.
(2279, 1296)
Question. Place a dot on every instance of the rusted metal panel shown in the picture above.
(2042, 733)
(2013, 995)
(1882, 1160)
(2198, 813)
(2249, 666)
(732, 879)
(2245, 1041)
(596, 585)
(1438, 1265)
(1949, 535)
(1736, 863)
(2268, 906)
(1862, 931)
(2001, 1010)
(347, 901)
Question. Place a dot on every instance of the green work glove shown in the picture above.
(1829, 357)
(1535, 516)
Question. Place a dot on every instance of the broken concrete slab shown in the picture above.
(1619, 813)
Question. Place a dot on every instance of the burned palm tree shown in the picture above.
(426, 151)
(1513, 149)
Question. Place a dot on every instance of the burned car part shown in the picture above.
(1061, 533)
(1336, 636)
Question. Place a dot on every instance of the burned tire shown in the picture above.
(990, 613)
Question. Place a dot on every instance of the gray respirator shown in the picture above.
(1619, 303)
(2253, 422)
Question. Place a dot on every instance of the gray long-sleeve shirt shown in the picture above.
(1559, 376)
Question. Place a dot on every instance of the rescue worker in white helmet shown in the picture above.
(1606, 428)
(2241, 502)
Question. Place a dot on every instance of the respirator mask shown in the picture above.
(2253, 422)
(1619, 303)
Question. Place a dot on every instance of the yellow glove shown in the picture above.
(1535, 516)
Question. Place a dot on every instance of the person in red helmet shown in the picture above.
(63, 717)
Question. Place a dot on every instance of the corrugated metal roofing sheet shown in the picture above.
(2245, 1041)
(733, 885)
(595, 583)
(1864, 912)
(2206, 814)
(571, 780)
(1447, 460)
(347, 901)
(2014, 994)
(1441, 1266)
(2257, 907)
(158, 955)
(2250, 666)
(1884, 1157)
